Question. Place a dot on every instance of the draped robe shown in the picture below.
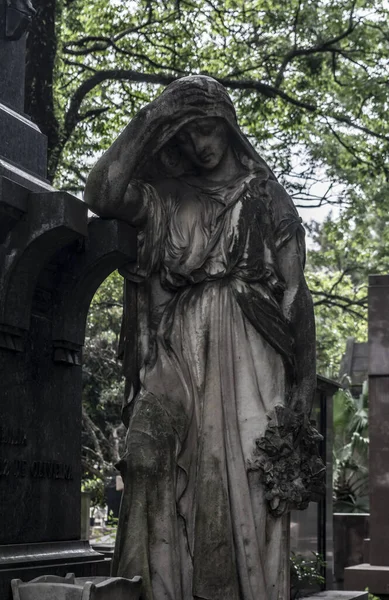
(216, 358)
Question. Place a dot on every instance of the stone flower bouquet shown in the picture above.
(288, 459)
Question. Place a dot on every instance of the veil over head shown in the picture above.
(186, 99)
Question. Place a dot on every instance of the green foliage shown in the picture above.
(351, 446)
(309, 82)
(371, 596)
(308, 78)
(305, 574)
(345, 252)
(95, 486)
(103, 385)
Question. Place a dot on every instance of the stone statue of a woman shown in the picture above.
(219, 354)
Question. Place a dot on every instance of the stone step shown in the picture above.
(336, 595)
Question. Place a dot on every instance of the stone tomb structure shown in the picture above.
(52, 260)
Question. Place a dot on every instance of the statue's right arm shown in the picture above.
(109, 191)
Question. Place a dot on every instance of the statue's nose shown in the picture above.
(199, 143)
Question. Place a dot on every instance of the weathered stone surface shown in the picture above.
(57, 588)
(54, 221)
(24, 178)
(22, 143)
(18, 556)
(218, 337)
(375, 575)
(28, 561)
(379, 418)
(12, 54)
(378, 325)
(51, 263)
(13, 205)
(48, 277)
(350, 531)
(339, 596)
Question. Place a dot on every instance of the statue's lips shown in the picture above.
(206, 157)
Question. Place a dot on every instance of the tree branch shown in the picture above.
(326, 46)
(73, 117)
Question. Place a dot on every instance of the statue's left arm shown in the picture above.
(297, 305)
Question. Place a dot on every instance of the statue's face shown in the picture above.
(204, 141)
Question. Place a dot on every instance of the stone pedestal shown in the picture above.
(375, 575)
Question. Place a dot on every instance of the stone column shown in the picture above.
(379, 419)
(374, 574)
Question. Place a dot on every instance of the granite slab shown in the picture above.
(336, 595)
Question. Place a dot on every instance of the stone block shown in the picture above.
(360, 577)
(350, 530)
(378, 469)
(12, 55)
(22, 142)
(336, 595)
(71, 588)
(378, 325)
(28, 561)
(13, 205)
(53, 221)
(28, 180)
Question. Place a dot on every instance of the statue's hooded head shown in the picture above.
(157, 127)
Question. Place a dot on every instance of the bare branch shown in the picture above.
(328, 302)
(326, 46)
(73, 117)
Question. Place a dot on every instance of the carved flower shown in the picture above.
(288, 459)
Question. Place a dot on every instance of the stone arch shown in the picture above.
(52, 260)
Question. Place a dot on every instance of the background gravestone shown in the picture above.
(52, 260)
(374, 571)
